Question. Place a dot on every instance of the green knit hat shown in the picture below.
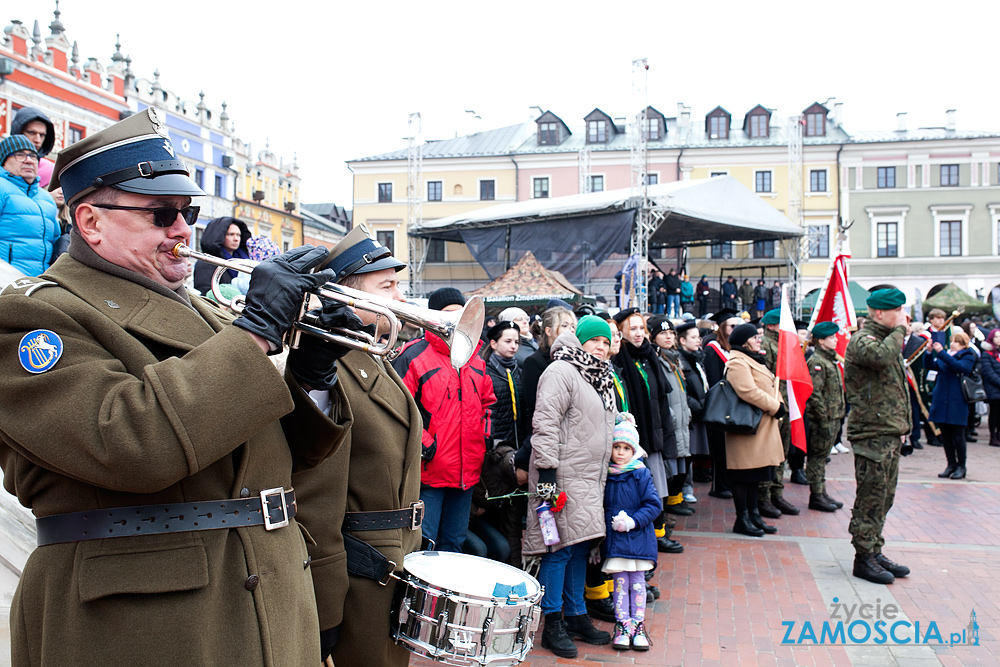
(592, 326)
(772, 316)
(886, 299)
(825, 329)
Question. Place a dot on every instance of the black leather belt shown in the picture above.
(278, 507)
(410, 518)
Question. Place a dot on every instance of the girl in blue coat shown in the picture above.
(631, 504)
(948, 407)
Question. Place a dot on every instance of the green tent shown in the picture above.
(858, 295)
(952, 297)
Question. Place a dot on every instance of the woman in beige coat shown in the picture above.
(749, 457)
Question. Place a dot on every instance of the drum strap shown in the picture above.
(364, 560)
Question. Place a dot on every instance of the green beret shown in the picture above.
(886, 299)
(772, 316)
(592, 326)
(825, 329)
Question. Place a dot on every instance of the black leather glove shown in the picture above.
(907, 448)
(427, 452)
(327, 640)
(314, 363)
(277, 286)
(780, 414)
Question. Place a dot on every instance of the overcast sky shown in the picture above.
(335, 81)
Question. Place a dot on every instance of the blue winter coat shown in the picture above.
(28, 224)
(991, 376)
(632, 491)
(948, 406)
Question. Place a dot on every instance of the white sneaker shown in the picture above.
(833, 451)
(689, 498)
(840, 448)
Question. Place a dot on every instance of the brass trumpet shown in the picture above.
(459, 329)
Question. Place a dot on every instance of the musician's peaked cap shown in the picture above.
(134, 155)
(358, 252)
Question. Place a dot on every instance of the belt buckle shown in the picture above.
(417, 514)
(145, 169)
(265, 508)
(390, 568)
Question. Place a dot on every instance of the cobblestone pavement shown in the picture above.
(724, 600)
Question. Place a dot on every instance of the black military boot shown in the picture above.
(555, 638)
(767, 509)
(866, 567)
(832, 500)
(583, 628)
(799, 477)
(744, 526)
(680, 509)
(896, 569)
(784, 506)
(668, 546)
(603, 609)
(758, 521)
(817, 501)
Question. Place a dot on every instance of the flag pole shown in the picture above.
(841, 237)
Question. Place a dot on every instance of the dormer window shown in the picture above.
(548, 134)
(717, 124)
(551, 130)
(651, 128)
(718, 128)
(757, 123)
(597, 132)
(816, 120)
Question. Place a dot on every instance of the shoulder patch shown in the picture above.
(39, 350)
(871, 337)
(26, 286)
(819, 368)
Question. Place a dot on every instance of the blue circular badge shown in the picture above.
(40, 350)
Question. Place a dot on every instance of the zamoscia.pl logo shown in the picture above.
(878, 624)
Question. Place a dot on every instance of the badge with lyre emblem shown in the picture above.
(40, 350)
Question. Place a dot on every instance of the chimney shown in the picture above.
(838, 114)
(901, 118)
(950, 120)
(683, 116)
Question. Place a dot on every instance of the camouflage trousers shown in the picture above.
(876, 480)
(776, 487)
(822, 437)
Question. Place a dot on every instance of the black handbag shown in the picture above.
(728, 412)
(972, 387)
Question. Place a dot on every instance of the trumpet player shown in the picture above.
(164, 504)
(361, 506)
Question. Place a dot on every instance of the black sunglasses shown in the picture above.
(162, 217)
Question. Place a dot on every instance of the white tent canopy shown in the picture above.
(690, 213)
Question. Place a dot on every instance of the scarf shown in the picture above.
(756, 356)
(240, 253)
(596, 372)
(634, 464)
(508, 368)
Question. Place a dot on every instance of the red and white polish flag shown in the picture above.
(791, 368)
(835, 304)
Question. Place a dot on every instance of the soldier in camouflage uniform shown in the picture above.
(825, 409)
(770, 498)
(880, 419)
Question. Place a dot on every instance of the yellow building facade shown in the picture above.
(267, 196)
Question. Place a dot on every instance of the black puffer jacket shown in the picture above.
(24, 116)
(694, 382)
(211, 243)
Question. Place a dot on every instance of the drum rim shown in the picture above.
(530, 599)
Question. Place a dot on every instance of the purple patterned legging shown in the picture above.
(630, 596)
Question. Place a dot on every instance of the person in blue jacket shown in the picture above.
(631, 504)
(28, 224)
(948, 407)
(990, 362)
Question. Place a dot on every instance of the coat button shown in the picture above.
(244, 492)
(305, 563)
(251, 582)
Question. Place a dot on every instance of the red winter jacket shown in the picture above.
(455, 406)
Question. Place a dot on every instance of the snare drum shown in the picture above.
(465, 610)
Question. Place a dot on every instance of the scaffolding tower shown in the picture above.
(796, 249)
(416, 246)
(583, 167)
(644, 226)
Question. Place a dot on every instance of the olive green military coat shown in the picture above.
(825, 406)
(753, 383)
(377, 468)
(153, 402)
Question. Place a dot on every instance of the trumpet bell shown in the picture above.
(468, 328)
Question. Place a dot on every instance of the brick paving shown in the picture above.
(725, 598)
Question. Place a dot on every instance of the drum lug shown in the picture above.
(442, 630)
(486, 639)
(404, 611)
